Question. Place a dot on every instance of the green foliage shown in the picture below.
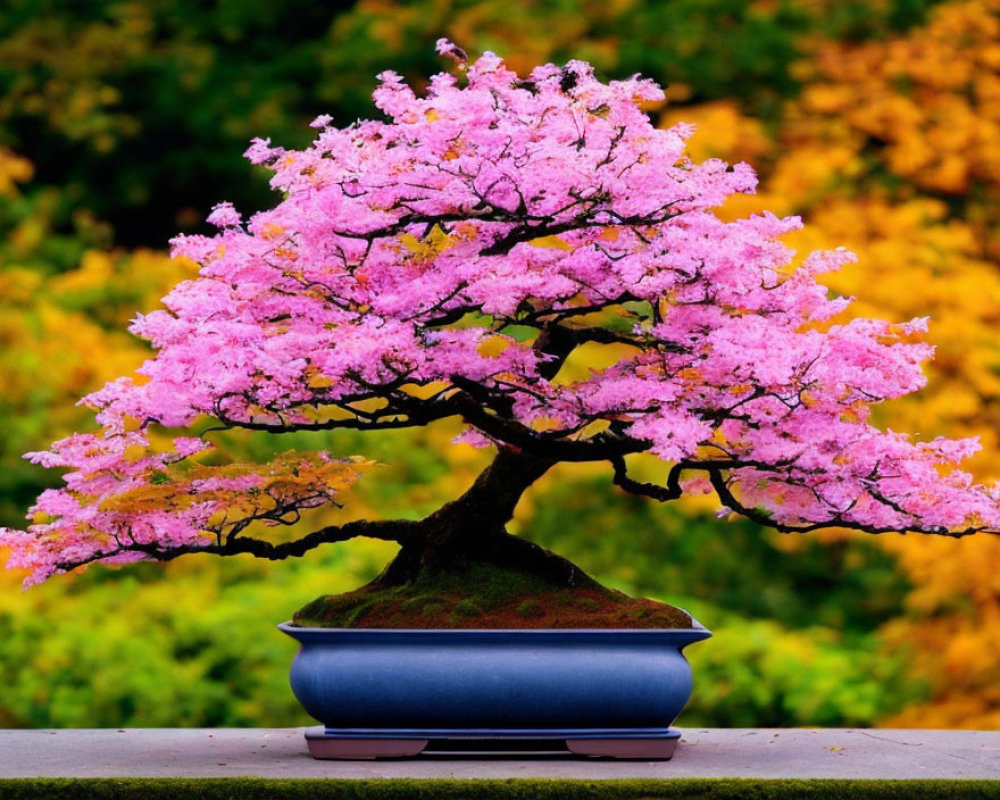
(139, 111)
(143, 109)
(718, 48)
(182, 646)
(757, 673)
(857, 20)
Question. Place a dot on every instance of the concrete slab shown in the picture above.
(703, 753)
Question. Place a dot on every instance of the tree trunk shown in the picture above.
(472, 529)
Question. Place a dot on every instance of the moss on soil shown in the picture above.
(515, 789)
(483, 595)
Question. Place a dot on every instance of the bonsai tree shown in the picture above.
(450, 262)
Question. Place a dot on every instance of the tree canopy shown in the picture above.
(448, 263)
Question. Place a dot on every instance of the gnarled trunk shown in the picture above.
(472, 529)
(459, 568)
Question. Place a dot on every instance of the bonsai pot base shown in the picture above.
(650, 744)
(402, 692)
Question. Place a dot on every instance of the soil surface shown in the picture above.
(486, 596)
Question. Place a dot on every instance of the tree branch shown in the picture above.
(672, 491)
(836, 521)
(401, 531)
(601, 447)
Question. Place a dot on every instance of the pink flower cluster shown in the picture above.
(446, 261)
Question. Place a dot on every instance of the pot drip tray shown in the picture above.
(655, 744)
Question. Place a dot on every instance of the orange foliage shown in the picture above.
(928, 104)
(893, 151)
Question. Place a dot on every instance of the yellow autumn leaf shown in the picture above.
(145, 498)
(131, 423)
(550, 242)
(217, 519)
(426, 391)
(319, 381)
(134, 452)
(493, 346)
(434, 243)
(410, 242)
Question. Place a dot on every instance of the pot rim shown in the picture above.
(696, 633)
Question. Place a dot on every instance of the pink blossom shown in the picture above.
(224, 216)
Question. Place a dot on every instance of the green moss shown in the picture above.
(432, 611)
(479, 594)
(467, 608)
(514, 789)
(415, 605)
(530, 608)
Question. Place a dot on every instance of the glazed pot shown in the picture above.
(391, 692)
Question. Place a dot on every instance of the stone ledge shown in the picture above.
(703, 753)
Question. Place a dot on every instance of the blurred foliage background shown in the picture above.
(122, 122)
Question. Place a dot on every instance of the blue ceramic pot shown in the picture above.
(401, 684)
